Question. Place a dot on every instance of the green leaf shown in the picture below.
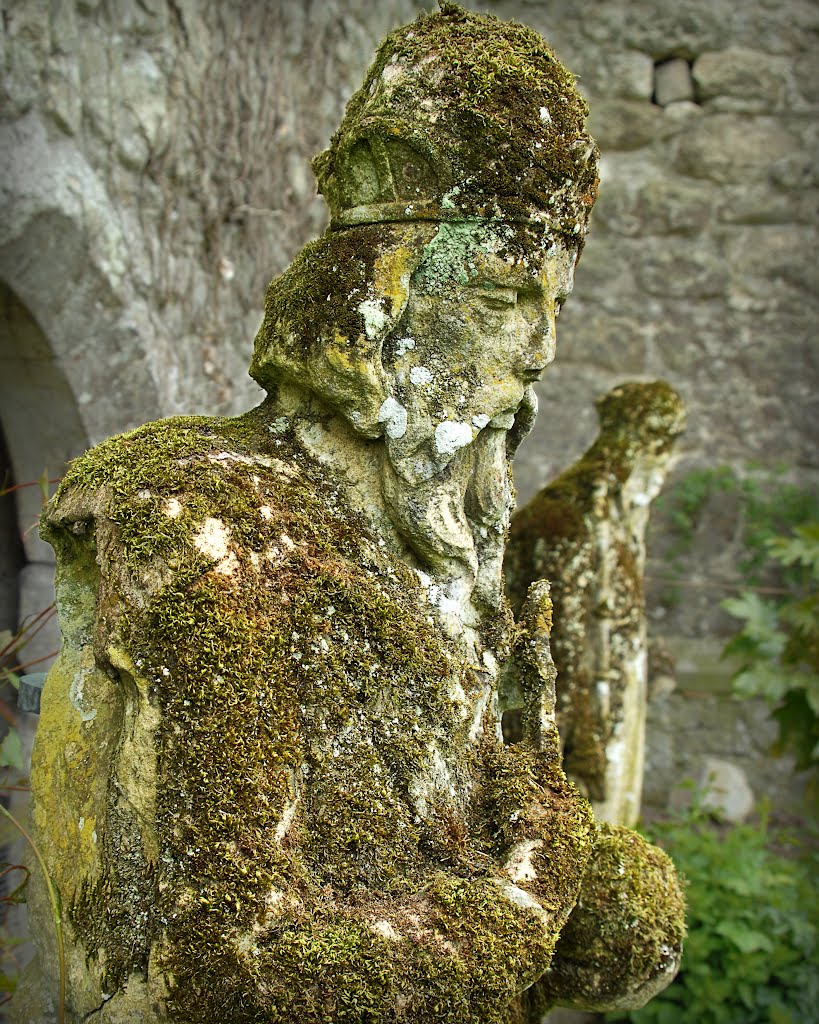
(11, 751)
(747, 940)
(798, 729)
(762, 680)
(801, 548)
(42, 482)
(7, 676)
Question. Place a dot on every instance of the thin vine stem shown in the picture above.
(55, 910)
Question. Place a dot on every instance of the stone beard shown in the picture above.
(455, 521)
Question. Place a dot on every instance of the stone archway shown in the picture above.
(75, 340)
(42, 430)
(12, 558)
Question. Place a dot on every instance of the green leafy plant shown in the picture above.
(776, 530)
(778, 644)
(752, 951)
(764, 506)
(685, 501)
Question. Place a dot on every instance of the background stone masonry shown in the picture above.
(154, 175)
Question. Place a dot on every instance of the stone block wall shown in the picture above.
(154, 174)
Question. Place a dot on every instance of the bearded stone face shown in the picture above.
(478, 330)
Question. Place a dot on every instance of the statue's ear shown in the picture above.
(352, 382)
(328, 316)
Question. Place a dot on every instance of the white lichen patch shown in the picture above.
(404, 345)
(75, 695)
(448, 199)
(490, 661)
(480, 420)
(385, 930)
(457, 693)
(286, 820)
(451, 435)
(244, 460)
(394, 417)
(420, 375)
(375, 317)
(213, 540)
(519, 867)
(172, 508)
(424, 579)
(478, 715)
(279, 426)
(266, 512)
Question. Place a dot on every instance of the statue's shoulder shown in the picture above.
(161, 488)
(159, 457)
(111, 473)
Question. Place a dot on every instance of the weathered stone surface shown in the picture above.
(177, 330)
(270, 777)
(625, 124)
(670, 207)
(698, 720)
(36, 589)
(724, 149)
(725, 790)
(39, 441)
(695, 275)
(612, 343)
(628, 75)
(672, 82)
(743, 80)
(219, 192)
(767, 256)
(741, 204)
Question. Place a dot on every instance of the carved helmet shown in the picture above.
(462, 117)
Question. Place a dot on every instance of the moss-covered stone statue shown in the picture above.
(585, 532)
(270, 784)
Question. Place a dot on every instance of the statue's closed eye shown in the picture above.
(496, 296)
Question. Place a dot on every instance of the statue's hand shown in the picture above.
(535, 669)
(623, 941)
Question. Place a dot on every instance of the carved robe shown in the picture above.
(271, 786)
